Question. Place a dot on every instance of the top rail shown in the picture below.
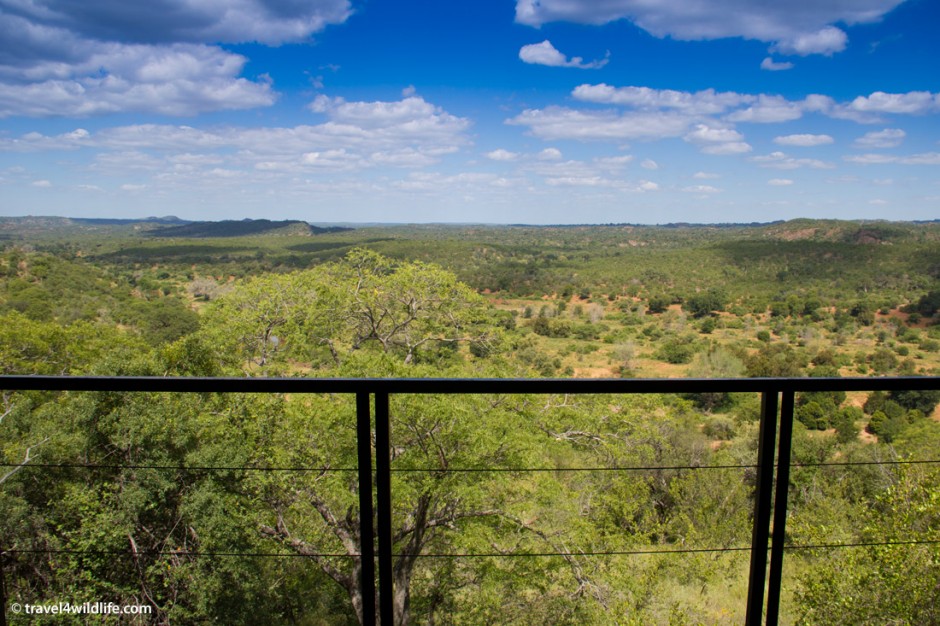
(463, 385)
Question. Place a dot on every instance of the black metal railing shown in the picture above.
(772, 468)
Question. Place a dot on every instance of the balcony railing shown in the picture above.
(772, 468)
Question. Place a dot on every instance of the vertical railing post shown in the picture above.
(763, 503)
(366, 533)
(775, 577)
(383, 485)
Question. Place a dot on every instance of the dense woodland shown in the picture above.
(127, 497)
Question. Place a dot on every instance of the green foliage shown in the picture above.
(677, 350)
(846, 424)
(294, 306)
(874, 584)
(705, 303)
(775, 360)
(924, 401)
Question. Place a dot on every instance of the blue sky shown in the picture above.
(534, 111)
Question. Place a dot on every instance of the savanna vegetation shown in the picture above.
(125, 497)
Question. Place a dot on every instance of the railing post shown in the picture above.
(383, 484)
(366, 533)
(763, 502)
(780, 508)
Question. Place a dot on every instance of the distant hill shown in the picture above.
(865, 232)
(108, 221)
(241, 228)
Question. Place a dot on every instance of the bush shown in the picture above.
(813, 416)
(720, 427)
(677, 350)
(846, 430)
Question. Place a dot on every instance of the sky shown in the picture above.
(493, 111)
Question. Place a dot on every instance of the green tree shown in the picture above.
(705, 303)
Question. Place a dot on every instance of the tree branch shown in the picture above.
(25, 462)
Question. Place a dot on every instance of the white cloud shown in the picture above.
(701, 189)
(563, 123)
(616, 162)
(779, 182)
(795, 26)
(887, 138)
(502, 155)
(600, 172)
(731, 147)
(705, 175)
(410, 133)
(181, 79)
(824, 41)
(545, 53)
(579, 181)
(924, 158)
(717, 141)
(804, 140)
(706, 102)
(706, 134)
(768, 109)
(89, 58)
(871, 159)
(549, 154)
(913, 102)
(432, 134)
(773, 66)
(269, 22)
(780, 161)
(42, 183)
(703, 106)
(649, 164)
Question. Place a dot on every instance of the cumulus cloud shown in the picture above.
(924, 158)
(549, 154)
(269, 22)
(603, 172)
(754, 108)
(93, 57)
(887, 138)
(502, 155)
(649, 164)
(768, 109)
(793, 26)
(774, 66)
(781, 161)
(824, 41)
(545, 53)
(556, 122)
(804, 140)
(779, 182)
(701, 189)
(409, 133)
(913, 102)
(706, 102)
(181, 79)
(705, 175)
(718, 141)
